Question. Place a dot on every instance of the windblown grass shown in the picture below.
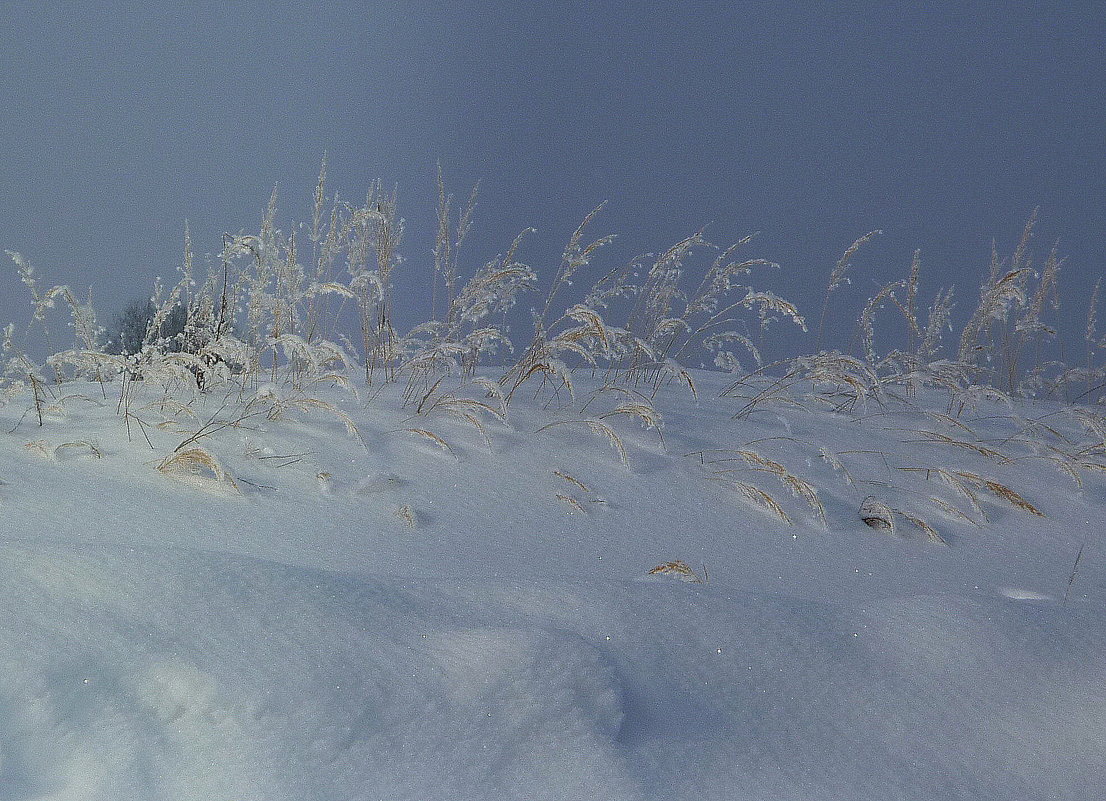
(283, 313)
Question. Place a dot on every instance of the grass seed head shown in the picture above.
(572, 503)
(677, 569)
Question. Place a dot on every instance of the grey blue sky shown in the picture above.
(943, 124)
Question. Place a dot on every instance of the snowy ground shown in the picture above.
(432, 624)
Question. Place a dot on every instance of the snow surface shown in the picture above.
(305, 638)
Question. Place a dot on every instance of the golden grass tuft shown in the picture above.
(476, 423)
(797, 486)
(198, 463)
(679, 569)
(944, 439)
(467, 410)
(493, 390)
(452, 404)
(965, 482)
(955, 480)
(308, 404)
(803, 489)
(646, 413)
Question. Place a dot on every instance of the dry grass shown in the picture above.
(580, 485)
(966, 483)
(307, 404)
(681, 570)
(757, 462)
(466, 410)
(880, 516)
(56, 452)
(1001, 491)
(926, 528)
(600, 429)
(952, 511)
(944, 439)
(834, 461)
(962, 488)
(430, 436)
(408, 515)
(572, 503)
(273, 319)
(200, 464)
(837, 277)
(798, 487)
(81, 447)
(761, 500)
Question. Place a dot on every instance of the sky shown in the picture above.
(811, 123)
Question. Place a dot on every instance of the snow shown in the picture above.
(301, 638)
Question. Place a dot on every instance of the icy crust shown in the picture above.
(301, 684)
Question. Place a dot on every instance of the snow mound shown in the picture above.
(300, 685)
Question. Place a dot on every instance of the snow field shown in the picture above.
(299, 639)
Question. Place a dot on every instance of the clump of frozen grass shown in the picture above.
(200, 466)
(460, 332)
(665, 324)
(432, 438)
(737, 467)
(992, 347)
(1000, 352)
(279, 319)
(273, 311)
(577, 494)
(471, 411)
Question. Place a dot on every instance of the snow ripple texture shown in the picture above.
(307, 685)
